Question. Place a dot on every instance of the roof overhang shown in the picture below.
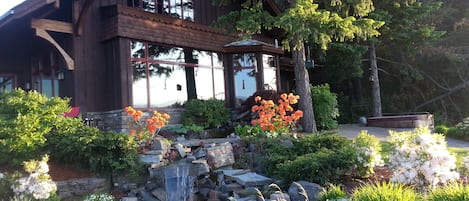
(26, 8)
(246, 46)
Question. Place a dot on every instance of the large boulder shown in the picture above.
(312, 191)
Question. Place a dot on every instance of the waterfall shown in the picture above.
(179, 185)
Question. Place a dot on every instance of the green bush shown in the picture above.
(385, 192)
(326, 109)
(441, 129)
(333, 192)
(101, 152)
(207, 113)
(323, 166)
(320, 158)
(368, 150)
(25, 119)
(450, 192)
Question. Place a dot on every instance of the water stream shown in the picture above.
(179, 183)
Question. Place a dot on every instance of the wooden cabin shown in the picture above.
(150, 54)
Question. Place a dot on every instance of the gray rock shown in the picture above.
(160, 143)
(312, 190)
(279, 197)
(287, 143)
(129, 199)
(159, 193)
(221, 155)
(246, 178)
(201, 166)
(146, 196)
(180, 149)
(150, 159)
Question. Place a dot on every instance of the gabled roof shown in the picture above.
(24, 9)
(250, 45)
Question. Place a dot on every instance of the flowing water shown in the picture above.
(179, 183)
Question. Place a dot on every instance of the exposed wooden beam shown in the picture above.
(52, 25)
(81, 18)
(68, 60)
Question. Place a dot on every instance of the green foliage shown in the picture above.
(101, 152)
(333, 192)
(183, 129)
(368, 150)
(441, 129)
(317, 158)
(348, 66)
(385, 192)
(6, 183)
(450, 192)
(325, 106)
(248, 131)
(322, 167)
(25, 119)
(206, 113)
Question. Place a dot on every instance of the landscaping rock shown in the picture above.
(247, 178)
(150, 159)
(129, 199)
(180, 149)
(81, 187)
(219, 156)
(279, 197)
(160, 194)
(146, 196)
(312, 191)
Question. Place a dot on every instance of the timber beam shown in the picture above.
(43, 25)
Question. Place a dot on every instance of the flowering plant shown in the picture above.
(38, 185)
(276, 118)
(421, 158)
(368, 150)
(143, 131)
(99, 197)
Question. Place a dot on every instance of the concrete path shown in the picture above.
(351, 131)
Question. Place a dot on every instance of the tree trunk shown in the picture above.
(374, 79)
(190, 74)
(305, 103)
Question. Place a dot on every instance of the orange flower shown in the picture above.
(132, 132)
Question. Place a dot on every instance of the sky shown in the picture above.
(6, 5)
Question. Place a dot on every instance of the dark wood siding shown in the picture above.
(135, 24)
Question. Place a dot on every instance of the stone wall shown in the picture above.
(118, 120)
(75, 189)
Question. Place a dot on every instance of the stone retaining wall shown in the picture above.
(75, 189)
(118, 120)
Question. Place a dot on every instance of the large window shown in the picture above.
(182, 9)
(165, 76)
(44, 75)
(7, 82)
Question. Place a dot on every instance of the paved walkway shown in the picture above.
(351, 131)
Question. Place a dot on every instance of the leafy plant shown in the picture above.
(143, 131)
(333, 192)
(368, 150)
(326, 109)
(323, 166)
(275, 118)
(184, 129)
(385, 192)
(452, 192)
(25, 119)
(441, 129)
(206, 113)
(100, 197)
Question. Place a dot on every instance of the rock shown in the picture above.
(146, 196)
(180, 149)
(312, 190)
(150, 159)
(200, 153)
(231, 187)
(220, 156)
(129, 199)
(154, 152)
(157, 165)
(201, 166)
(1, 175)
(190, 158)
(180, 139)
(81, 187)
(160, 143)
(160, 194)
(150, 186)
(246, 178)
(279, 197)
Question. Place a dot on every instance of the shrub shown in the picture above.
(368, 150)
(421, 158)
(323, 166)
(25, 117)
(207, 113)
(101, 152)
(326, 109)
(385, 192)
(333, 192)
(442, 129)
(100, 197)
(451, 192)
(315, 142)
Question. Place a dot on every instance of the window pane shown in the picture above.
(139, 85)
(137, 49)
(6, 83)
(270, 73)
(188, 10)
(167, 88)
(149, 5)
(46, 87)
(219, 83)
(56, 87)
(203, 80)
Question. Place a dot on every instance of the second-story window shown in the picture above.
(182, 9)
